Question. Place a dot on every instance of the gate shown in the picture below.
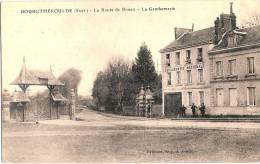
(172, 103)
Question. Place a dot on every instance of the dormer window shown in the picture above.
(231, 41)
(188, 57)
(43, 80)
(168, 60)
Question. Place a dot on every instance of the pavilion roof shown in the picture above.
(35, 77)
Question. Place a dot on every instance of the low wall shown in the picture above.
(131, 111)
(233, 111)
(215, 111)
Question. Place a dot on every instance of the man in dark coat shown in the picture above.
(183, 110)
(202, 109)
(193, 108)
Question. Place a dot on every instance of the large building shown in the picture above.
(217, 66)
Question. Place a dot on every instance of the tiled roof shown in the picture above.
(58, 97)
(196, 38)
(19, 96)
(33, 77)
(251, 35)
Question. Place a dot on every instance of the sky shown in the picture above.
(88, 40)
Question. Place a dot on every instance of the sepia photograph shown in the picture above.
(116, 81)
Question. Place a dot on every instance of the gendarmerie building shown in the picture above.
(218, 66)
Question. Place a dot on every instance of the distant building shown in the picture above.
(218, 66)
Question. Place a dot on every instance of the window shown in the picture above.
(168, 60)
(231, 41)
(178, 74)
(169, 81)
(177, 58)
(232, 67)
(201, 93)
(251, 96)
(188, 57)
(200, 75)
(220, 97)
(43, 81)
(250, 65)
(189, 79)
(219, 68)
(200, 59)
(232, 97)
(190, 98)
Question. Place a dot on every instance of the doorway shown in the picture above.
(172, 103)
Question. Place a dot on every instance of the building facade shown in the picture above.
(217, 66)
(235, 79)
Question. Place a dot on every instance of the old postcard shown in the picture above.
(130, 81)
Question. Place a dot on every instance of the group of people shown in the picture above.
(182, 110)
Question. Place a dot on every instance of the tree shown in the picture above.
(118, 72)
(143, 68)
(252, 20)
(71, 79)
(100, 89)
(110, 86)
(143, 71)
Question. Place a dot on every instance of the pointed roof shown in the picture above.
(248, 36)
(35, 77)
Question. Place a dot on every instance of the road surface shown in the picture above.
(111, 138)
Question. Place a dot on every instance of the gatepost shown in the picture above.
(72, 104)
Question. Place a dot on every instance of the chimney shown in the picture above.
(217, 36)
(231, 8)
(226, 22)
(181, 31)
(233, 22)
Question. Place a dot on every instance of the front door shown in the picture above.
(172, 104)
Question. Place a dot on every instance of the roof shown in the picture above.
(252, 36)
(19, 96)
(249, 36)
(196, 38)
(58, 97)
(35, 77)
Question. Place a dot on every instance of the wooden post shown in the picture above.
(58, 111)
(24, 106)
(50, 104)
(50, 87)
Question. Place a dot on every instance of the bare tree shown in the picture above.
(252, 20)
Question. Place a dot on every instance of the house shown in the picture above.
(217, 66)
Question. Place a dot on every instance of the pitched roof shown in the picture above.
(19, 96)
(196, 38)
(249, 36)
(34, 77)
(58, 97)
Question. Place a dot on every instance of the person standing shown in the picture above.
(193, 108)
(202, 109)
(183, 110)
